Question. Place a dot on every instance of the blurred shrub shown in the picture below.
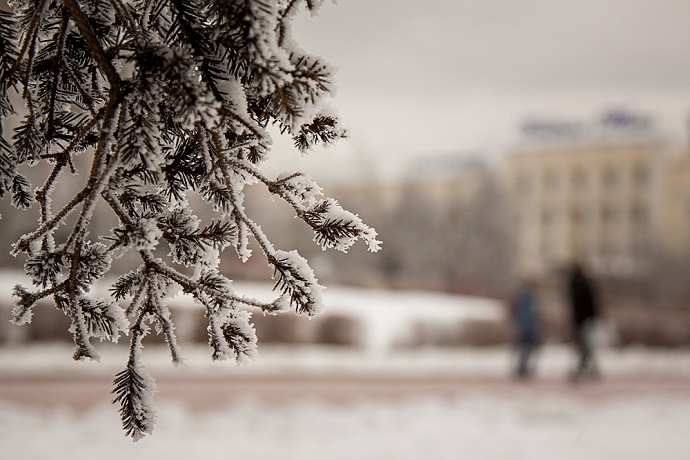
(483, 333)
(285, 329)
(471, 332)
(649, 327)
(337, 329)
(47, 324)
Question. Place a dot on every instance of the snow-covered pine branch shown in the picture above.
(147, 100)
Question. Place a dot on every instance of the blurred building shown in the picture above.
(675, 203)
(613, 200)
(596, 204)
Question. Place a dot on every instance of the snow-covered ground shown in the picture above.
(484, 426)
(481, 422)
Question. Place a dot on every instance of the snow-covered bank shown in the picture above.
(386, 318)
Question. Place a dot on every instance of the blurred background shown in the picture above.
(489, 141)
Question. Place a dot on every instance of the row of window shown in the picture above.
(609, 177)
(637, 214)
(601, 248)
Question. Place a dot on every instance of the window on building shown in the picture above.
(611, 177)
(641, 174)
(585, 215)
(523, 184)
(578, 179)
(610, 213)
(551, 182)
(517, 218)
(639, 213)
(546, 217)
(605, 248)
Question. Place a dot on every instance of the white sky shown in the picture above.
(459, 75)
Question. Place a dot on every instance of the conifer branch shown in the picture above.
(125, 18)
(30, 37)
(160, 98)
(195, 287)
(238, 212)
(84, 349)
(134, 389)
(95, 47)
(56, 71)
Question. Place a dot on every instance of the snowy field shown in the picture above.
(484, 426)
(489, 417)
(510, 420)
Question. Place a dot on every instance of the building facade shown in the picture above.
(612, 206)
(675, 226)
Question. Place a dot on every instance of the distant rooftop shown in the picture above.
(612, 126)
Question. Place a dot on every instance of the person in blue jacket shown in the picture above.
(525, 317)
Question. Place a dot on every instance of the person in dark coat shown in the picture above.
(583, 301)
(525, 317)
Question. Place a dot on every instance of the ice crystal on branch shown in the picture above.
(296, 280)
(147, 100)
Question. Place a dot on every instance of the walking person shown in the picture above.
(525, 317)
(583, 300)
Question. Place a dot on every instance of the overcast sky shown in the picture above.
(419, 78)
